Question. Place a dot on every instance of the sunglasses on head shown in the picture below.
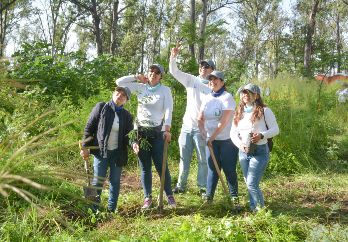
(205, 66)
(156, 71)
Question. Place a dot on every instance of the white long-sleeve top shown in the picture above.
(195, 93)
(240, 133)
(153, 106)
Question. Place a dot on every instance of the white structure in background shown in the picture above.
(343, 93)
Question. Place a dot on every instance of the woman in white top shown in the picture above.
(154, 116)
(215, 121)
(253, 124)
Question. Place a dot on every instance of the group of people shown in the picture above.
(211, 120)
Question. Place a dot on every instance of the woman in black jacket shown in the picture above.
(107, 127)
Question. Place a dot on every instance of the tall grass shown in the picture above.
(310, 120)
(40, 168)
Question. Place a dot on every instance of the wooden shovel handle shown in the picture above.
(163, 174)
(217, 168)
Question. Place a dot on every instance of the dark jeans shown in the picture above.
(100, 166)
(155, 153)
(226, 154)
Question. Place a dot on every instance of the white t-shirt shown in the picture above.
(212, 108)
(195, 93)
(113, 138)
(153, 106)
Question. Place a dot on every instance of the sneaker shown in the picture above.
(178, 190)
(171, 201)
(202, 192)
(207, 199)
(235, 202)
(147, 203)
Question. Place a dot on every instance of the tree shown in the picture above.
(310, 27)
(257, 21)
(10, 12)
(92, 7)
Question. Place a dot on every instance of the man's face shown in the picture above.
(205, 69)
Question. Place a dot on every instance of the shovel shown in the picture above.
(90, 193)
(217, 168)
(164, 166)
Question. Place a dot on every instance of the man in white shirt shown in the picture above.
(190, 137)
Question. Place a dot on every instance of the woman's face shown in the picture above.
(215, 83)
(119, 97)
(248, 97)
(154, 76)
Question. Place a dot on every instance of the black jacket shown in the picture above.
(98, 129)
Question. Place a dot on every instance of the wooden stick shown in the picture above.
(164, 166)
(217, 168)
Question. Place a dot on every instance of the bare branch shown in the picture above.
(82, 5)
(223, 5)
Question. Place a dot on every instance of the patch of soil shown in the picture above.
(130, 181)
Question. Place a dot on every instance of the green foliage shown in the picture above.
(66, 76)
(307, 115)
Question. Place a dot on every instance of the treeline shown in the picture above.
(247, 38)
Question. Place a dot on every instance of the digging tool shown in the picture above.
(90, 192)
(164, 166)
(217, 168)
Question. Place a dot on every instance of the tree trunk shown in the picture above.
(4, 24)
(193, 22)
(54, 15)
(114, 23)
(202, 30)
(97, 30)
(309, 39)
(338, 43)
(2, 32)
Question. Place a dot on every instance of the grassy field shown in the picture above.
(299, 207)
(305, 185)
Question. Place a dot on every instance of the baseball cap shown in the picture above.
(159, 67)
(252, 88)
(209, 62)
(125, 90)
(218, 74)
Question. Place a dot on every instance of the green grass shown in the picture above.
(296, 206)
(305, 184)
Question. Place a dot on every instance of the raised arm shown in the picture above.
(133, 82)
(184, 78)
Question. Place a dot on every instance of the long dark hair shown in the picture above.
(257, 113)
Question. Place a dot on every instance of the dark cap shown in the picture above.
(209, 62)
(217, 74)
(125, 90)
(159, 67)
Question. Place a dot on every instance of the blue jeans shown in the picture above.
(226, 154)
(100, 169)
(145, 157)
(188, 140)
(253, 167)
